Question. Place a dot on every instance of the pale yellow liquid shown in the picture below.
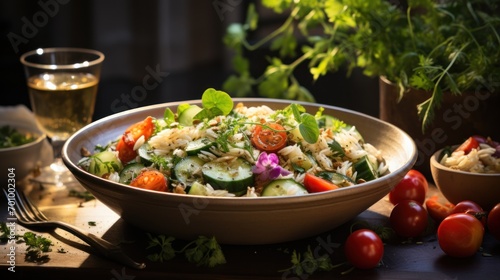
(63, 102)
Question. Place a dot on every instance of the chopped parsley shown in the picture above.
(11, 137)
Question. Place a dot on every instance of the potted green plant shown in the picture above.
(431, 49)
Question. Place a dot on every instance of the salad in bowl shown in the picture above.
(225, 149)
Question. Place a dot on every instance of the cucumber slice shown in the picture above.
(197, 189)
(186, 116)
(365, 169)
(145, 151)
(283, 187)
(130, 171)
(336, 178)
(198, 145)
(188, 170)
(233, 176)
(105, 162)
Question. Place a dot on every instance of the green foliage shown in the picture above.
(446, 47)
(202, 251)
(166, 251)
(10, 137)
(307, 264)
(37, 245)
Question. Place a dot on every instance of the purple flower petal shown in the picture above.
(273, 159)
(275, 172)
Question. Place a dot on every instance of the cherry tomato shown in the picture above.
(364, 249)
(408, 218)
(150, 180)
(468, 145)
(460, 235)
(125, 146)
(270, 137)
(413, 186)
(437, 210)
(493, 222)
(316, 184)
(472, 208)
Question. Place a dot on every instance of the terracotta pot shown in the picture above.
(459, 116)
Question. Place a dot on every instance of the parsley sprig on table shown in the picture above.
(37, 246)
(203, 251)
(307, 264)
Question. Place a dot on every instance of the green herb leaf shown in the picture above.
(308, 264)
(85, 195)
(168, 116)
(204, 251)
(37, 245)
(309, 128)
(336, 148)
(165, 244)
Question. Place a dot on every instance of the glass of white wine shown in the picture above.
(62, 85)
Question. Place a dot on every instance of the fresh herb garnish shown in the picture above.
(11, 137)
(307, 264)
(37, 246)
(215, 103)
(5, 232)
(202, 251)
(336, 148)
(86, 195)
(166, 253)
(308, 126)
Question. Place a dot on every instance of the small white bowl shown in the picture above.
(457, 185)
(21, 160)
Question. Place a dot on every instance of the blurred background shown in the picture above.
(156, 51)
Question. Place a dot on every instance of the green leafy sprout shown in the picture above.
(444, 47)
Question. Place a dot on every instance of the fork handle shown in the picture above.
(104, 247)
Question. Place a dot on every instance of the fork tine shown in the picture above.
(21, 212)
(31, 208)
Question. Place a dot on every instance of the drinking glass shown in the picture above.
(62, 85)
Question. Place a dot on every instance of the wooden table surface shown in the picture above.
(70, 258)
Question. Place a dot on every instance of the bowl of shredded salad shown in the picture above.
(469, 171)
(244, 170)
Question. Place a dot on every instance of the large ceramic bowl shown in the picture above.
(457, 185)
(261, 220)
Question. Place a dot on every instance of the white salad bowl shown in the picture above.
(241, 220)
(18, 162)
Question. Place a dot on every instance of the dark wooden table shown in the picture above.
(72, 259)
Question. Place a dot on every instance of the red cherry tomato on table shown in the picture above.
(408, 218)
(472, 208)
(493, 221)
(316, 184)
(364, 249)
(460, 235)
(269, 137)
(125, 146)
(413, 186)
(437, 210)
